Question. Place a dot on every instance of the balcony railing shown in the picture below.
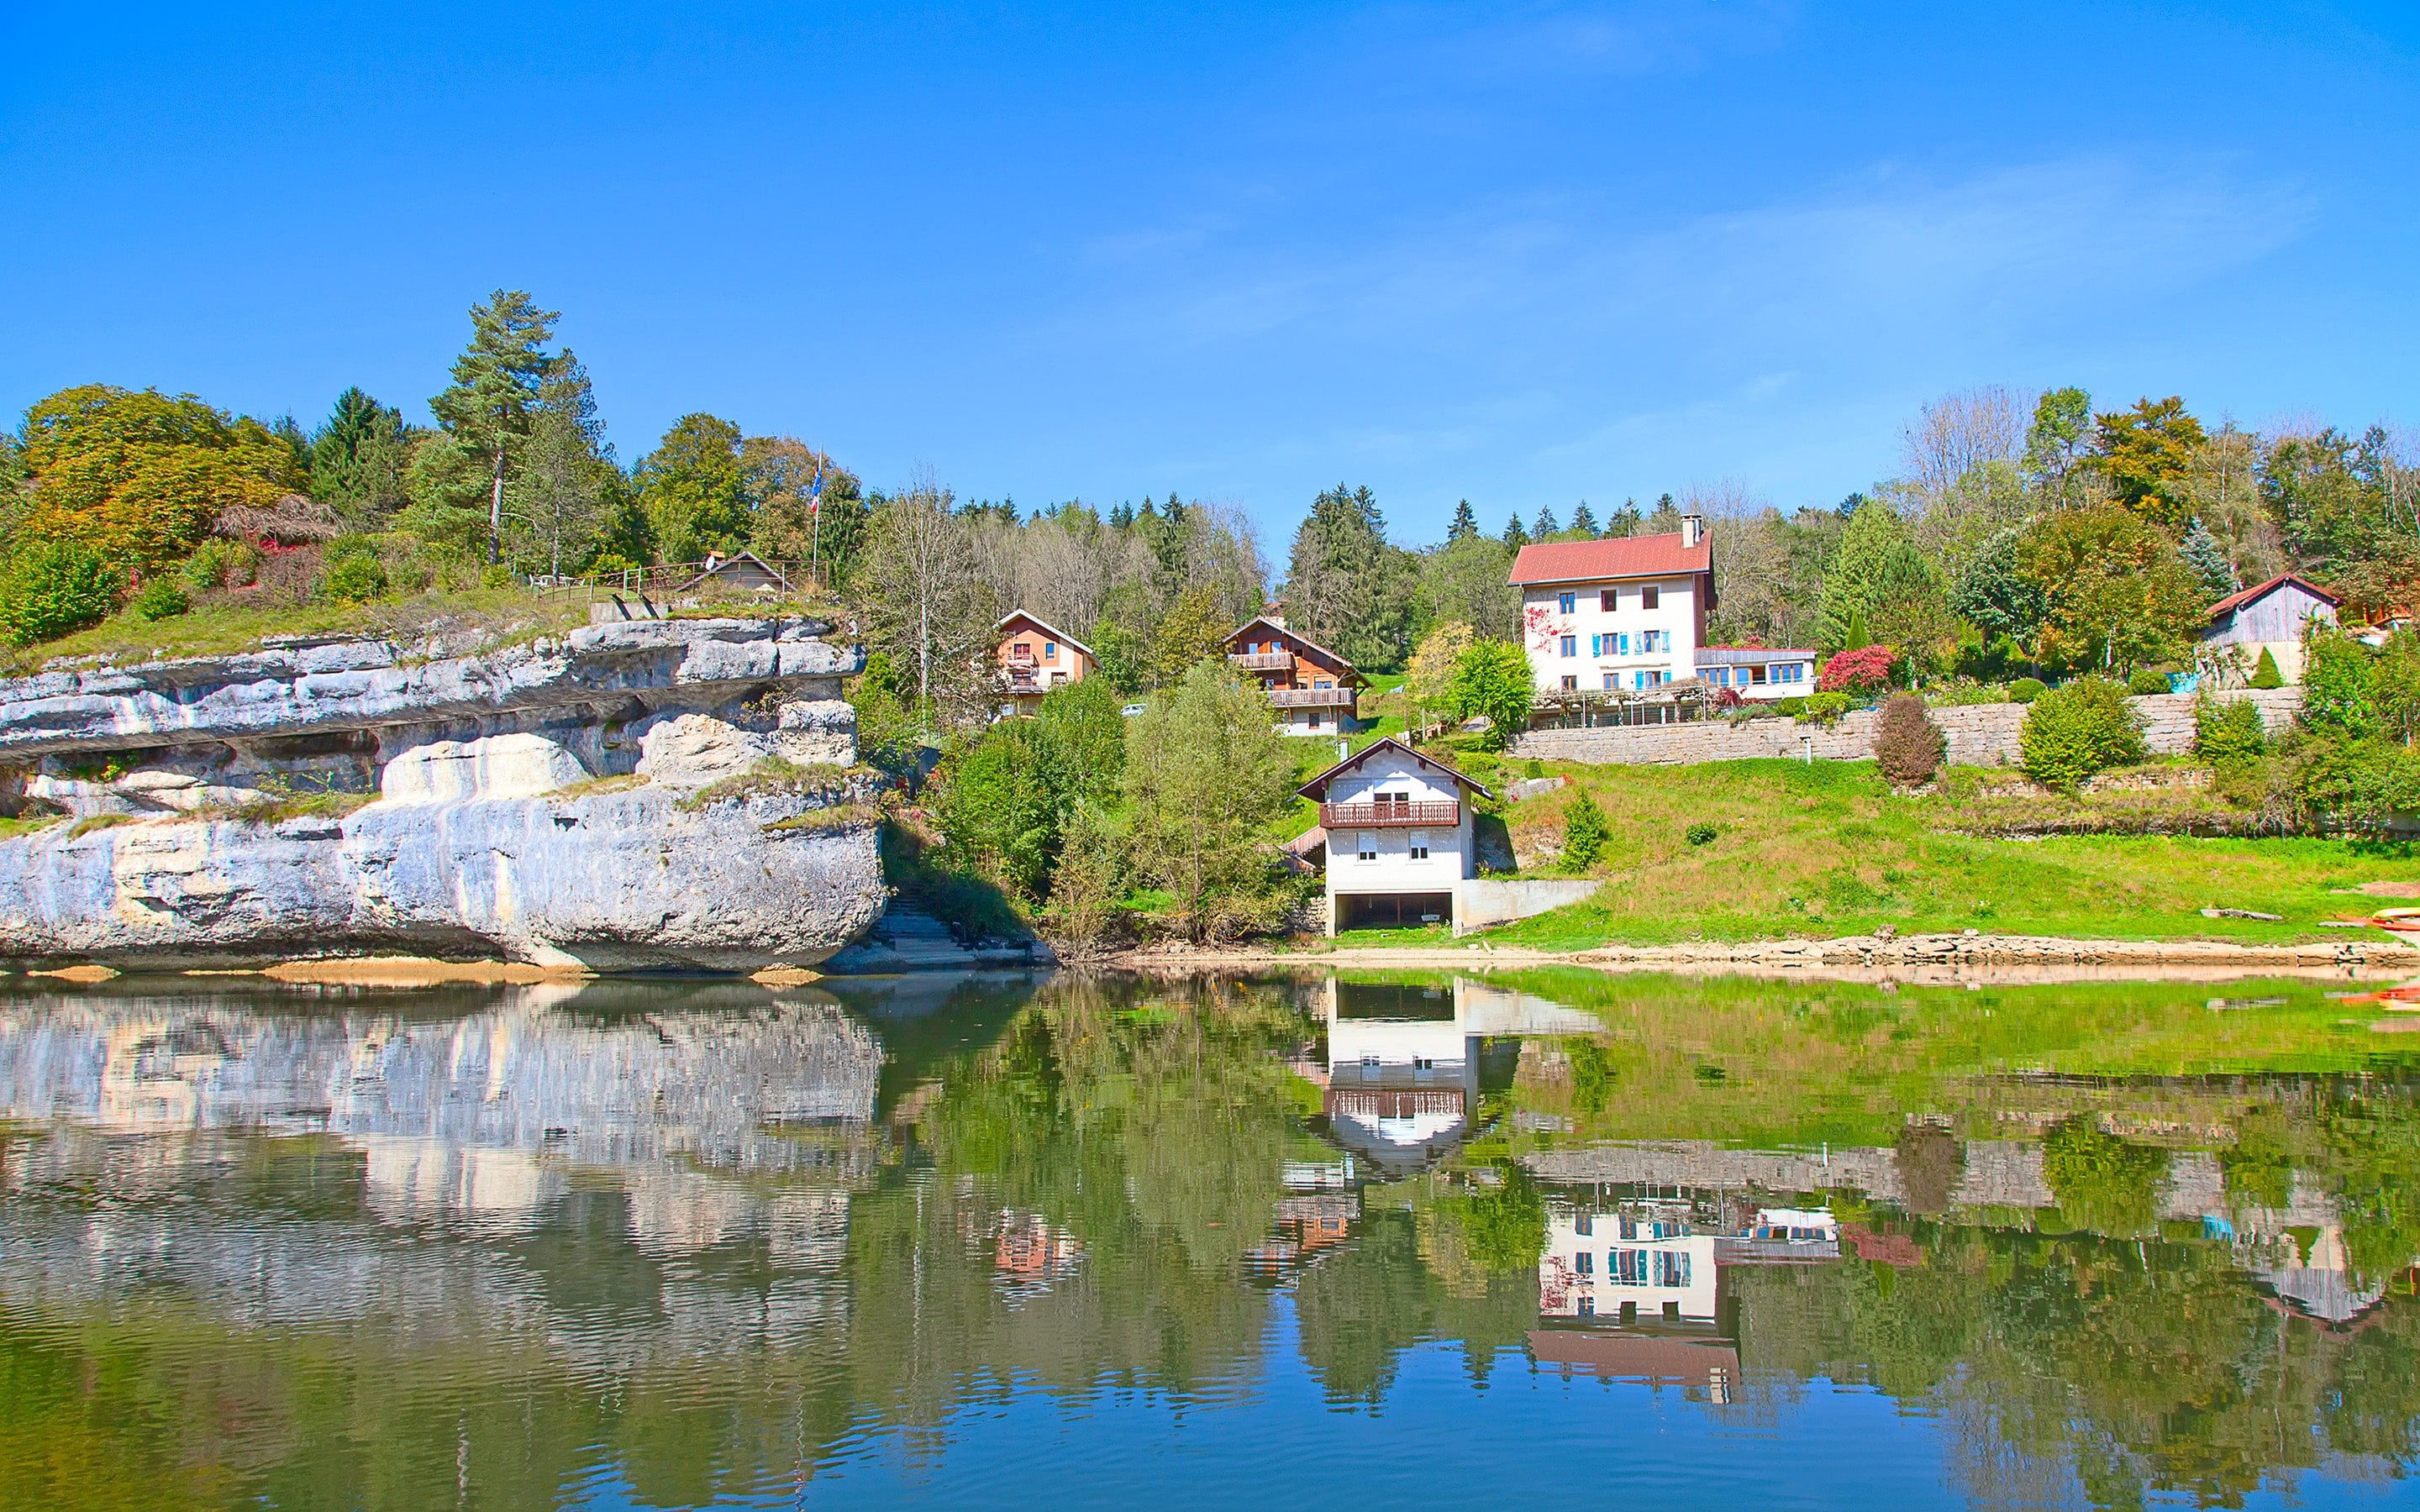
(1262, 661)
(1389, 815)
(1311, 697)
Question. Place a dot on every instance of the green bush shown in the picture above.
(355, 581)
(2026, 689)
(1584, 832)
(1825, 707)
(2146, 682)
(1793, 707)
(2227, 731)
(2076, 730)
(496, 575)
(54, 588)
(160, 599)
(1702, 833)
(2265, 673)
(1493, 678)
(209, 566)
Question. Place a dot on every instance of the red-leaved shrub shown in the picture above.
(1856, 672)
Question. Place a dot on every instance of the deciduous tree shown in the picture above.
(1206, 774)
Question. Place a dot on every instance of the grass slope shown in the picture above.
(1828, 850)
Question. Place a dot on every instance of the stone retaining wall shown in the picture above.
(1980, 735)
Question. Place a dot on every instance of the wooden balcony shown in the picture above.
(1336, 816)
(1311, 697)
(1262, 661)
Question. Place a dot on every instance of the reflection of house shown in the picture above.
(1697, 1363)
(2271, 617)
(1035, 658)
(2316, 1278)
(1399, 829)
(1619, 615)
(1635, 1261)
(1027, 1253)
(1315, 690)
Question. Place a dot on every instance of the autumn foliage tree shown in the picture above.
(140, 477)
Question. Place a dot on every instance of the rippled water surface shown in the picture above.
(1083, 1241)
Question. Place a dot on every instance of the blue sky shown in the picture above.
(1524, 254)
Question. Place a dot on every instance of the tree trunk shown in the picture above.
(496, 511)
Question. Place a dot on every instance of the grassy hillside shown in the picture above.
(1828, 850)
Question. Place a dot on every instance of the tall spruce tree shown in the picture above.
(490, 406)
(357, 457)
(1584, 519)
(1345, 586)
(2208, 559)
(1625, 520)
(1515, 537)
(1544, 527)
(1466, 523)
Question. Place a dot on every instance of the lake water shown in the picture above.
(1387, 1240)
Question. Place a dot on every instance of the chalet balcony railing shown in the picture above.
(1311, 697)
(1262, 661)
(1020, 678)
(1333, 816)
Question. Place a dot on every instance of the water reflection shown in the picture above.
(662, 1244)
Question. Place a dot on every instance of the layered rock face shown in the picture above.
(209, 800)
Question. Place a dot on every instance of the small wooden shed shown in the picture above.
(2271, 617)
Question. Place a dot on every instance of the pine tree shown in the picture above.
(357, 457)
(1625, 520)
(2208, 559)
(1122, 517)
(1466, 523)
(1514, 536)
(1545, 527)
(1584, 521)
(490, 406)
(1666, 519)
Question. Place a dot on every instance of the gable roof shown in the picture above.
(1621, 556)
(1275, 628)
(717, 565)
(2237, 600)
(1038, 623)
(1316, 788)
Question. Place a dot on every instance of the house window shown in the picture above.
(1621, 643)
(1654, 641)
(1608, 681)
(1671, 1268)
(1609, 600)
(1756, 674)
(1568, 602)
(1571, 645)
(1649, 596)
(1627, 1266)
(1587, 1308)
(1571, 682)
(1584, 1225)
(1657, 679)
(1720, 677)
(1311, 720)
(1419, 845)
(1585, 1264)
(1049, 651)
(1629, 1229)
(1368, 844)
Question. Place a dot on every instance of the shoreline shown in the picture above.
(1915, 959)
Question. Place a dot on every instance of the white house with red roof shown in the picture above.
(1626, 614)
(2271, 617)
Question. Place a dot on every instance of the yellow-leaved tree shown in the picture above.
(140, 477)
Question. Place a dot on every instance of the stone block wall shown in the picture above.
(1980, 735)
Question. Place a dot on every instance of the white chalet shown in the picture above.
(1626, 614)
(1399, 836)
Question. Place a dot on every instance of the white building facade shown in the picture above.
(1624, 615)
(1399, 837)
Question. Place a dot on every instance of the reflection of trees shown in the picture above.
(2102, 1184)
(1362, 1306)
(2152, 1367)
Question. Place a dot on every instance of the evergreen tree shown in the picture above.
(1122, 517)
(1625, 520)
(490, 407)
(1847, 508)
(1545, 527)
(1666, 519)
(1514, 536)
(1584, 521)
(2208, 559)
(1345, 586)
(358, 455)
(1466, 523)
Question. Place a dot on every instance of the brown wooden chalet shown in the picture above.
(1316, 691)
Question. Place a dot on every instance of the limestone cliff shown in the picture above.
(351, 797)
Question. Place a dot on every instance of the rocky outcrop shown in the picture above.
(352, 799)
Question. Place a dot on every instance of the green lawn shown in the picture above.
(1829, 850)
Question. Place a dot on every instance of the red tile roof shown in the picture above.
(2237, 600)
(1629, 556)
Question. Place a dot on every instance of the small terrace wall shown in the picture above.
(1980, 735)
